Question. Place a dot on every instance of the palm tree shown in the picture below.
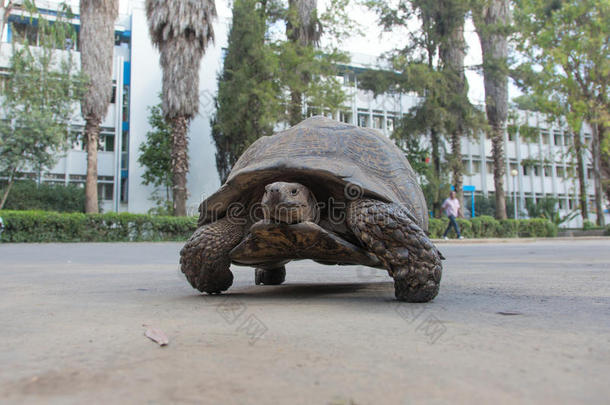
(97, 45)
(491, 18)
(452, 52)
(181, 29)
(303, 29)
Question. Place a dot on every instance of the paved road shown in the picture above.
(514, 322)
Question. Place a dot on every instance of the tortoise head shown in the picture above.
(290, 203)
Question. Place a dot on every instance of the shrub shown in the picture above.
(27, 195)
(44, 226)
(488, 227)
(536, 227)
(485, 227)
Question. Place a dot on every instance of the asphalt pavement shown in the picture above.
(518, 321)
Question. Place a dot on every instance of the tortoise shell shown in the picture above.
(334, 159)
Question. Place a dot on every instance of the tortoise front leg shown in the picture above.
(401, 245)
(204, 259)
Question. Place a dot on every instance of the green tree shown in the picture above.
(181, 29)
(432, 64)
(156, 157)
(38, 98)
(303, 30)
(97, 46)
(265, 82)
(248, 89)
(566, 47)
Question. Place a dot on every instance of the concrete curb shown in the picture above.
(519, 240)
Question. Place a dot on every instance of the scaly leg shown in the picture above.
(204, 259)
(401, 245)
(270, 275)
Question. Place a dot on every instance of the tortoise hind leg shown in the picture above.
(204, 259)
(401, 245)
(270, 276)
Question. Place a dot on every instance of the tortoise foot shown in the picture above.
(401, 245)
(415, 284)
(270, 276)
(204, 259)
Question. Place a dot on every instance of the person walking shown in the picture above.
(451, 206)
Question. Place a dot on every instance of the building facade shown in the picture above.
(137, 83)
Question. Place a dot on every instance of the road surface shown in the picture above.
(513, 322)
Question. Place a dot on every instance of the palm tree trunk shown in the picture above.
(180, 163)
(490, 19)
(595, 150)
(580, 170)
(92, 130)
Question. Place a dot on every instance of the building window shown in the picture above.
(377, 122)
(589, 173)
(490, 167)
(105, 191)
(571, 203)
(106, 143)
(390, 124)
(476, 166)
(345, 116)
(22, 32)
(526, 170)
(557, 139)
(363, 120)
(568, 139)
(537, 171)
(560, 172)
(548, 171)
(545, 138)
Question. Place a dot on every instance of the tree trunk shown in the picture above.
(452, 53)
(436, 171)
(497, 147)
(9, 184)
(92, 134)
(580, 170)
(302, 29)
(596, 152)
(457, 167)
(180, 163)
(490, 21)
(295, 111)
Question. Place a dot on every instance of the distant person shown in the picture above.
(451, 206)
(1, 226)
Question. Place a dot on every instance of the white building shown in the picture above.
(137, 77)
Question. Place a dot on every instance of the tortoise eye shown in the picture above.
(294, 191)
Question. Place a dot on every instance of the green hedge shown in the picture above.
(27, 195)
(489, 227)
(44, 226)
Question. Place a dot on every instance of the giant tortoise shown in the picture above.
(321, 190)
